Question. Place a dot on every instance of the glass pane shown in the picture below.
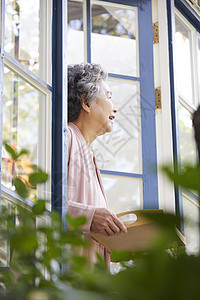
(121, 149)
(4, 245)
(183, 60)
(191, 215)
(25, 33)
(114, 39)
(187, 142)
(123, 193)
(20, 125)
(75, 36)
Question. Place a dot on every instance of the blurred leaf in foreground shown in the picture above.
(189, 177)
(38, 178)
(119, 256)
(21, 188)
(76, 222)
(165, 220)
(39, 208)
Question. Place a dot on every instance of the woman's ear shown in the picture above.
(85, 104)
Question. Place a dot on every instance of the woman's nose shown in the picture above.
(115, 109)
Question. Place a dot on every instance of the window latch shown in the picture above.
(155, 33)
(158, 98)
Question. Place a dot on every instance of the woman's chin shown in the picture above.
(106, 129)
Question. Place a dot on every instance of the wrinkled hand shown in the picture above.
(106, 222)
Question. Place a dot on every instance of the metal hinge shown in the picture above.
(155, 33)
(158, 98)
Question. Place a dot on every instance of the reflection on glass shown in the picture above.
(183, 60)
(114, 38)
(22, 33)
(191, 218)
(187, 142)
(4, 245)
(123, 193)
(75, 36)
(121, 149)
(20, 126)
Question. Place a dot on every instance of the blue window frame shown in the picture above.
(147, 96)
(59, 110)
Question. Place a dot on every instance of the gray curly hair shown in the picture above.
(84, 80)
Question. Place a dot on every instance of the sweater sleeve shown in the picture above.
(69, 143)
(76, 209)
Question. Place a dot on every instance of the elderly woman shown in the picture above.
(90, 114)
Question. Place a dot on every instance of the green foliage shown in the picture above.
(22, 178)
(147, 276)
(38, 178)
(76, 222)
(189, 177)
(35, 250)
(44, 263)
(14, 154)
(121, 255)
(167, 226)
(39, 208)
(21, 187)
(11, 151)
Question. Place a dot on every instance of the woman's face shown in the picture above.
(103, 112)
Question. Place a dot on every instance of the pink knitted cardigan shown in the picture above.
(85, 188)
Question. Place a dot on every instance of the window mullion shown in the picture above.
(85, 29)
(88, 29)
(147, 95)
(174, 108)
(195, 66)
(59, 109)
(27, 75)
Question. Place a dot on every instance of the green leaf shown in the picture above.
(100, 265)
(76, 222)
(189, 177)
(167, 233)
(80, 261)
(22, 152)
(15, 266)
(121, 255)
(11, 151)
(35, 168)
(56, 220)
(39, 207)
(24, 241)
(165, 220)
(55, 216)
(21, 188)
(73, 238)
(38, 178)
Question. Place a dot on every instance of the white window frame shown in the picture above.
(45, 102)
